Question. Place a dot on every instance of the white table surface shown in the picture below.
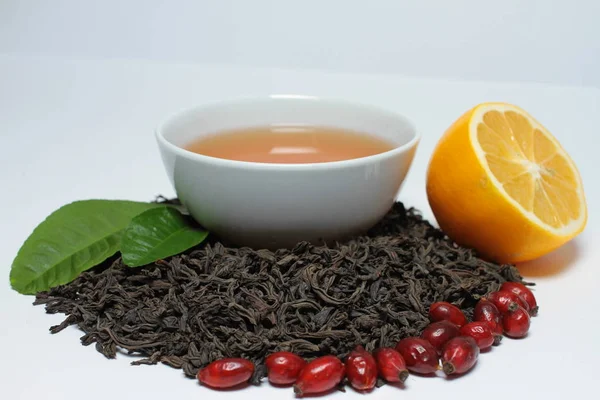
(74, 130)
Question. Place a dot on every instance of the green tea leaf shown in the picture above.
(71, 240)
(159, 233)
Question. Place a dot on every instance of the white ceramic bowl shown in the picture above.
(277, 205)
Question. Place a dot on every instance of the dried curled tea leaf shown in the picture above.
(189, 310)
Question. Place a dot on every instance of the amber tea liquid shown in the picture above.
(289, 145)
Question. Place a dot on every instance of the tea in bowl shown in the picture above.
(269, 172)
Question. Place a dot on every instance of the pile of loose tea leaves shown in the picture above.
(216, 301)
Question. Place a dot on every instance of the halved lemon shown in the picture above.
(500, 183)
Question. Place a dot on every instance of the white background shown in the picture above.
(524, 40)
(82, 86)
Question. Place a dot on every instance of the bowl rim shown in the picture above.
(362, 161)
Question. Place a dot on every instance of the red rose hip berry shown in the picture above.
(283, 367)
(320, 375)
(516, 323)
(226, 373)
(444, 311)
(525, 293)
(438, 333)
(419, 355)
(361, 369)
(481, 332)
(460, 355)
(507, 301)
(486, 311)
(391, 365)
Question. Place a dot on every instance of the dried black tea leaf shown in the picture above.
(217, 301)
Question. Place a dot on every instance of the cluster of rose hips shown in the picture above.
(449, 338)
